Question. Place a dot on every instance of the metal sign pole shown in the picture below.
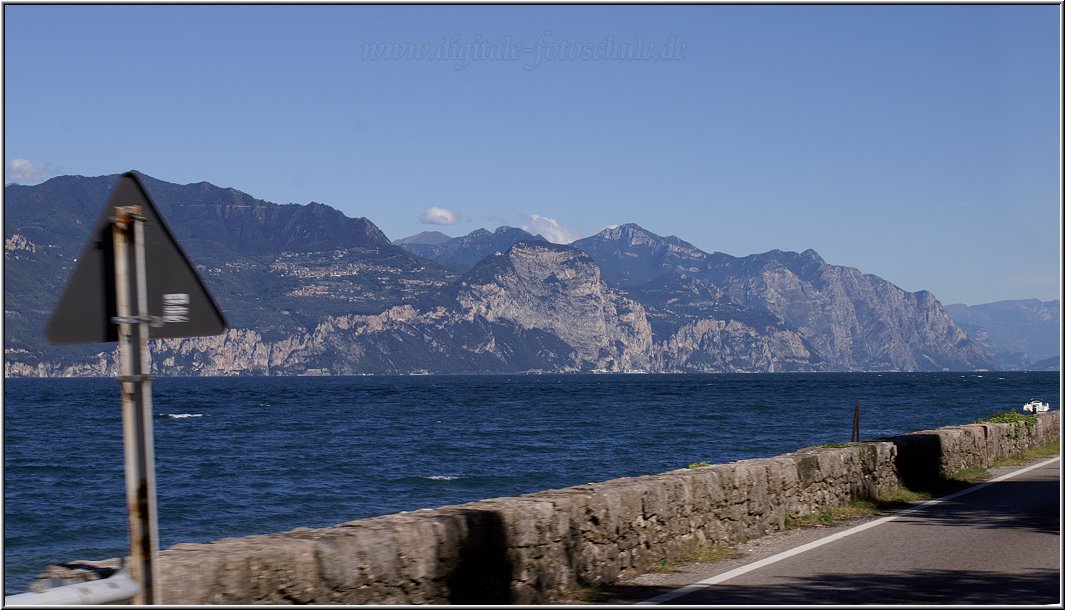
(91, 311)
(133, 331)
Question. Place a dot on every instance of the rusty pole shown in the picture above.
(128, 230)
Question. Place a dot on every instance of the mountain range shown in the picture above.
(1021, 335)
(307, 290)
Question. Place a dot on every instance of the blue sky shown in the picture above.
(917, 143)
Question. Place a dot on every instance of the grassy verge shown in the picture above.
(695, 553)
(584, 595)
(885, 502)
(692, 552)
(706, 553)
(835, 514)
(1035, 453)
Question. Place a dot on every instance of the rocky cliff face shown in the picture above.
(397, 341)
(558, 289)
(854, 320)
(718, 346)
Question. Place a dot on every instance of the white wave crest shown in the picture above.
(181, 415)
(441, 477)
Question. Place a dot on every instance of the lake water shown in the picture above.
(241, 456)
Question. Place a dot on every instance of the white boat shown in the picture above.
(1036, 405)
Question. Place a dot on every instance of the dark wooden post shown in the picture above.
(854, 433)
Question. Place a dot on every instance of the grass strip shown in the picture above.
(902, 497)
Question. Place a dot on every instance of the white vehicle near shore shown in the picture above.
(1036, 405)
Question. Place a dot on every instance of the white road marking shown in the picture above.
(720, 578)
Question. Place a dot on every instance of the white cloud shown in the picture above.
(550, 228)
(23, 170)
(439, 216)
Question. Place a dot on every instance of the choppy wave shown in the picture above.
(180, 415)
(441, 477)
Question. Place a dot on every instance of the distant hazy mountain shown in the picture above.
(460, 254)
(426, 238)
(1021, 334)
(307, 290)
(631, 255)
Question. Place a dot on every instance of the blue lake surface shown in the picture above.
(241, 456)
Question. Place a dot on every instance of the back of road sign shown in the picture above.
(177, 297)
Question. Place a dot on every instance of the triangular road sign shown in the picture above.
(177, 298)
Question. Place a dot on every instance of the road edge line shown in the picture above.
(713, 580)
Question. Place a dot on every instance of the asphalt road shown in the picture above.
(996, 543)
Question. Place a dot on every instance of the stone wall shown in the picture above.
(528, 549)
